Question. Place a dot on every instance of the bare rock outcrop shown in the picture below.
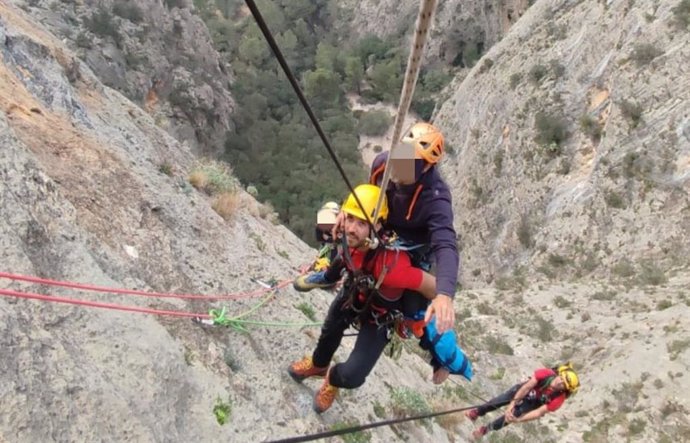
(158, 54)
(571, 146)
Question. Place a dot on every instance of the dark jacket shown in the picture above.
(423, 214)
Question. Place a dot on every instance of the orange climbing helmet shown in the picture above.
(427, 140)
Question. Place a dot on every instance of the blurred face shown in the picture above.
(558, 383)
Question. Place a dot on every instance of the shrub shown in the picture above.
(557, 261)
(651, 274)
(175, 4)
(213, 177)
(557, 68)
(486, 65)
(423, 107)
(614, 200)
(644, 53)
(561, 302)
(352, 437)
(637, 426)
(129, 11)
(632, 112)
(524, 232)
(604, 295)
(551, 130)
(663, 304)
(307, 310)
(498, 162)
(547, 331)
(677, 346)
(101, 23)
(405, 402)
(166, 168)
(624, 268)
(83, 40)
(379, 410)
(536, 73)
(681, 14)
(590, 126)
(374, 123)
(497, 346)
(222, 411)
(515, 80)
(226, 204)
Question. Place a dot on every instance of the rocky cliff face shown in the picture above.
(157, 53)
(94, 189)
(571, 141)
(461, 29)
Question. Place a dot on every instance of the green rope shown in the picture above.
(219, 317)
(281, 324)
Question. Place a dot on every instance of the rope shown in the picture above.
(116, 307)
(426, 12)
(364, 427)
(93, 304)
(295, 85)
(85, 287)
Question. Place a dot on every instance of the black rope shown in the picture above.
(377, 424)
(295, 85)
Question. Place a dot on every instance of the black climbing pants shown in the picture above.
(369, 345)
(501, 400)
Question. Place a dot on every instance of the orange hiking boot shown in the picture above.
(305, 368)
(325, 396)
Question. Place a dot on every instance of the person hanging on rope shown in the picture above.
(370, 299)
(325, 220)
(544, 392)
(421, 214)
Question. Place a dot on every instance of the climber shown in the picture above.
(544, 392)
(421, 214)
(325, 220)
(370, 299)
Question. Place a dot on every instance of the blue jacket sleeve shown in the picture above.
(443, 242)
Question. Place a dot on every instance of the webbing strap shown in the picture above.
(426, 12)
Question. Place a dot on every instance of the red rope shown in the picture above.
(85, 287)
(29, 295)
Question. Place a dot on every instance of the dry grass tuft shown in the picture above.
(226, 204)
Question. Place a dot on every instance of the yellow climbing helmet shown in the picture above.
(327, 213)
(569, 377)
(427, 140)
(368, 195)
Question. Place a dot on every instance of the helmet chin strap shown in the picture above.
(373, 243)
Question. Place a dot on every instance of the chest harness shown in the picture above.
(361, 291)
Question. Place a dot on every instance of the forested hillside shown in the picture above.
(274, 147)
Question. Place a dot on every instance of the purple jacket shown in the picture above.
(422, 213)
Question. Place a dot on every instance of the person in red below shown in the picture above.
(544, 392)
(371, 294)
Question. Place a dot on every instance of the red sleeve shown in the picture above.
(543, 373)
(555, 403)
(401, 274)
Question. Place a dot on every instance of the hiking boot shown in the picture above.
(305, 283)
(480, 432)
(305, 368)
(325, 396)
(472, 414)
